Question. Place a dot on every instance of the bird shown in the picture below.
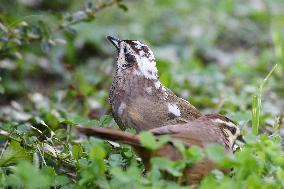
(138, 98)
(208, 129)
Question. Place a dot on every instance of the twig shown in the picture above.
(92, 12)
(66, 163)
(106, 4)
(5, 50)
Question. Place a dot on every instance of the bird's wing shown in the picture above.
(111, 134)
(193, 133)
(169, 129)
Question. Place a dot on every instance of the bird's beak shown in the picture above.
(114, 41)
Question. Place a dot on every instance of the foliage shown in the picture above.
(56, 70)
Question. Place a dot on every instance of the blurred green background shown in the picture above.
(213, 53)
(56, 69)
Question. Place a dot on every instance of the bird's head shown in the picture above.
(135, 55)
(231, 131)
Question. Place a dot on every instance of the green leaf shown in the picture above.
(115, 160)
(97, 152)
(52, 177)
(193, 154)
(150, 142)
(163, 140)
(219, 175)
(78, 120)
(215, 152)
(173, 167)
(105, 119)
(13, 154)
(179, 145)
(61, 180)
(128, 178)
(27, 176)
(49, 172)
(77, 151)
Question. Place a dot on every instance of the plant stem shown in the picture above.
(256, 103)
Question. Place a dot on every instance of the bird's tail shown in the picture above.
(112, 135)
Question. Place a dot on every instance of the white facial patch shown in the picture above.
(147, 67)
(121, 108)
(146, 61)
(173, 108)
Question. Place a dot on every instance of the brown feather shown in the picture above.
(138, 101)
(200, 132)
(111, 134)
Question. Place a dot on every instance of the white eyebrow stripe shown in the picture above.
(230, 124)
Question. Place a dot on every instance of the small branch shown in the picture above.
(8, 136)
(90, 14)
(49, 155)
(106, 4)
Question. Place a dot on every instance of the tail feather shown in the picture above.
(111, 134)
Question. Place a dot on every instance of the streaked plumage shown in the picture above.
(138, 98)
